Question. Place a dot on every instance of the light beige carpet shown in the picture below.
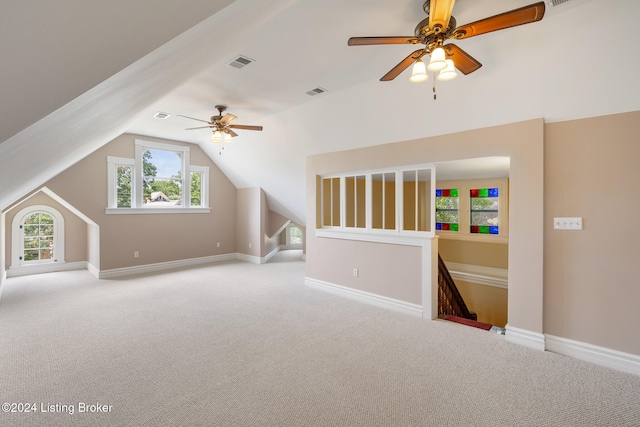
(238, 344)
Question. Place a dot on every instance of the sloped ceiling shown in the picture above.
(552, 69)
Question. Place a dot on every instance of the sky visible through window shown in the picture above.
(167, 162)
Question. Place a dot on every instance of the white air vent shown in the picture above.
(316, 91)
(557, 2)
(161, 115)
(241, 61)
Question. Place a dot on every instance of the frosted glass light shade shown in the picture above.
(227, 138)
(217, 137)
(449, 72)
(419, 72)
(437, 62)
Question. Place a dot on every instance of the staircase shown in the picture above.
(451, 305)
(450, 302)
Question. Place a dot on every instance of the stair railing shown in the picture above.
(450, 302)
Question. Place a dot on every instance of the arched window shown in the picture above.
(38, 236)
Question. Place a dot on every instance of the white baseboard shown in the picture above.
(270, 255)
(154, 268)
(93, 270)
(602, 356)
(25, 270)
(3, 279)
(365, 297)
(250, 258)
(524, 337)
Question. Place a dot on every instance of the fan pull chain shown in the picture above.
(434, 86)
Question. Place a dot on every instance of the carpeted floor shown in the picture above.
(238, 344)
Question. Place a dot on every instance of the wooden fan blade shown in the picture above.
(228, 118)
(461, 59)
(439, 14)
(192, 118)
(201, 127)
(363, 41)
(232, 133)
(245, 127)
(395, 71)
(524, 15)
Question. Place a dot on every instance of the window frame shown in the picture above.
(137, 202)
(464, 187)
(17, 250)
(369, 233)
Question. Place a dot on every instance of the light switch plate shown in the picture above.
(567, 223)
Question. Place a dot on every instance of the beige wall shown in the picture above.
(522, 142)
(489, 302)
(592, 170)
(495, 255)
(159, 237)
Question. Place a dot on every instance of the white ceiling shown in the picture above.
(551, 69)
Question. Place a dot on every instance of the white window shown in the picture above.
(384, 201)
(38, 236)
(293, 236)
(160, 178)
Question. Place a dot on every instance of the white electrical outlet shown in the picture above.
(355, 272)
(249, 245)
(218, 244)
(567, 223)
(136, 254)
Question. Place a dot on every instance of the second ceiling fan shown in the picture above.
(440, 26)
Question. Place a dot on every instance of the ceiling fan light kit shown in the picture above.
(419, 73)
(221, 126)
(440, 26)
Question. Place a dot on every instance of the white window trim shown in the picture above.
(463, 233)
(397, 235)
(137, 204)
(288, 237)
(204, 185)
(17, 241)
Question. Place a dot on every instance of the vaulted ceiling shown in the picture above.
(77, 74)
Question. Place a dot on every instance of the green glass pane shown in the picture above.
(31, 230)
(30, 242)
(484, 229)
(32, 219)
(453, 227)
(454, 192)
(45, 219)
(46, 230)
(484, 192)
(46, 242)
(31, 255)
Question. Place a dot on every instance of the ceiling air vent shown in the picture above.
(161, 115)
(557, 2)
(316, 91)
(241, 61)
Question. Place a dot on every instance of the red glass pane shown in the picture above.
(475, 193)
(446, 193)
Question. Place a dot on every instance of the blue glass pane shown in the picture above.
(493, 192)
(438, 226)
(493, 229)
(438, 193)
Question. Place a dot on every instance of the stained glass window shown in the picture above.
(447, 205)
(484, 211)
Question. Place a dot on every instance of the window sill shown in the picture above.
(378, 236)
(153, 211)
(485, 238)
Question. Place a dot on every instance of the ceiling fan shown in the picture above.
(440, 26)
(221, 125)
